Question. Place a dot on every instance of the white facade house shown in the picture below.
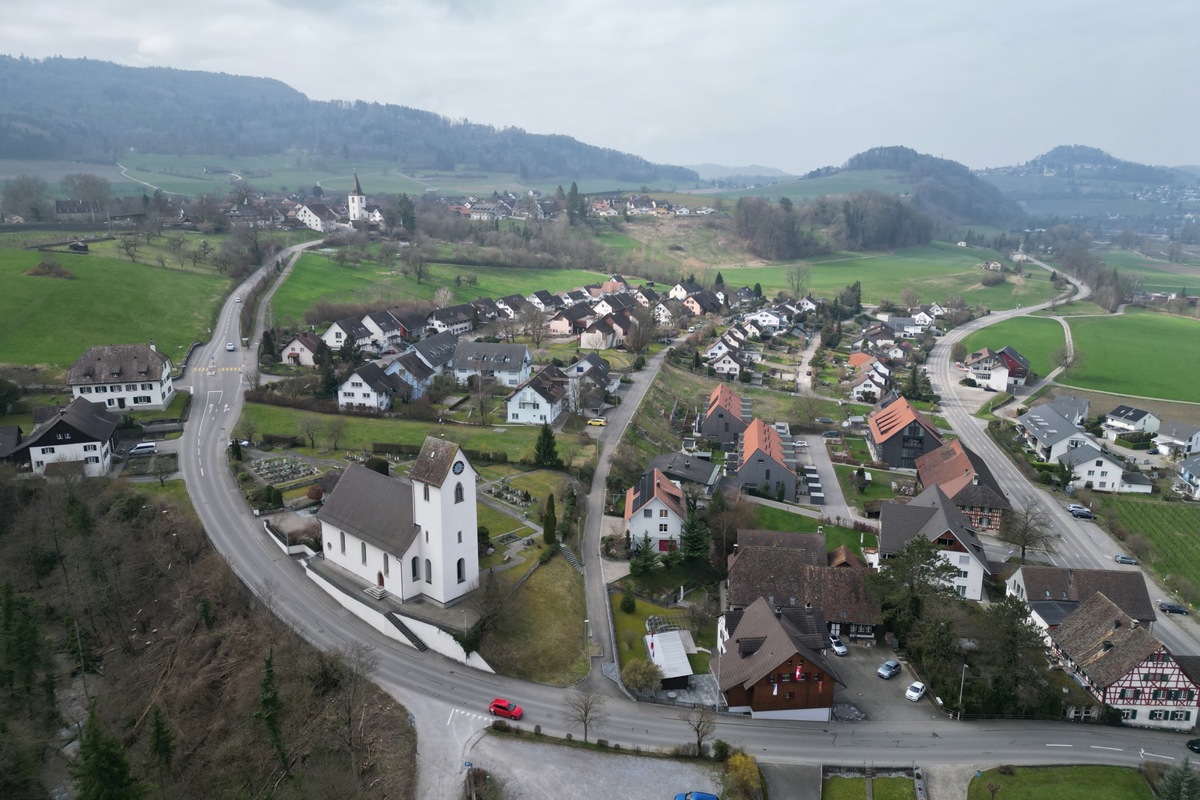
(81, 434)
(317, 216)
(413, 538)
(301, 350)
(369, 388)
(541, 399)
(933, 515)
(1127, 419)
(655, 508)
(506, 364)
(766, 318)
(1177, 439)
(1093, 469)
(121, 376)
(344, 330)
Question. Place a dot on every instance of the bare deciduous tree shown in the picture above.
(533, 324)
(310, 426)
(797, 278)
(1029, 529)
(645, 330)
(335, 429)
(586, 708)
(703, 723)
(1067, 358)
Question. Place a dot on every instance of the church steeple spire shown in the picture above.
(357, 189)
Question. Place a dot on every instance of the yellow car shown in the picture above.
(599, 422)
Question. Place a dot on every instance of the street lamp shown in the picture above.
(586, 649)
(961, 681)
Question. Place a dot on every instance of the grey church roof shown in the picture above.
(373, 507)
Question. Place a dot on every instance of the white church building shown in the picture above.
(415, 538)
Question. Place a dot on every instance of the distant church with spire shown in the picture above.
(357, 203)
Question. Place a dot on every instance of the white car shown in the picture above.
(915, 691)
(230, 346)
(1073, 507)
(801, 443)
(837, 646)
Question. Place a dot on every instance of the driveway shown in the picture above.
(880, 700)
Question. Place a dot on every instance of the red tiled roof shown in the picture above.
(761, 436)
(726, 398)
(887, 422)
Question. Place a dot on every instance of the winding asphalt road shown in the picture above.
(449, 702)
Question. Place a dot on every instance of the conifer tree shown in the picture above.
(545, 454)
(102, 770)
(269, 706)
(549, 523)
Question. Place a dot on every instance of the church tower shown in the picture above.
(358, 203)
(444, 510)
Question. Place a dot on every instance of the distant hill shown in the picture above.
(716, 172)
(1074, 180)
(86, 110)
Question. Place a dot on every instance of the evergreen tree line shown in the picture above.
(864, 221)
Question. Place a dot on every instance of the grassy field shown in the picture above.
(1139, 353)
(540, 638)
(1173, 530)
(361, 432)
(775, 519)
(1156, 276)
(51, 321)
(315, 278)
(1074, 308)
(1036, 339)
(541, 483)
(881, 180)
(1063, 783)
(934, 272)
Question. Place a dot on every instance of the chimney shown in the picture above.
(974, 480)
(1134, 624)
(152, 347)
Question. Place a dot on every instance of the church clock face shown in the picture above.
(458, 467)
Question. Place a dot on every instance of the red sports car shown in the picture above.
(504, 708)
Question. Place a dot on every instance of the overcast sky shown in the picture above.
(792, 84)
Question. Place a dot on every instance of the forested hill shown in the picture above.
(1089, 162)
(942, 187)
(86, 110)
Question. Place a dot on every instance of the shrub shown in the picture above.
(720, 750)
(547, 554)
(501, 725)
(1006, 769)
(628, 602)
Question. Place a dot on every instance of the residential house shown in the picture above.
(613, 304)
(681, 468)
(78, 211)
(574, 297)
(423, 526)
(301, 350)
(932, 515)
(766, 318)
(1127, 419)
(1188, 473)
(409, 368)
(703, 302)
(599, 335)
(869, 386)
(726, 344)
(544, 301)
(905, 327)
(725, 418)
(486, 309)
(1124, 667)
(795, 571)
(668, 315)
(768, 665)
(966, 479)
(876, 336)
(763, 464)
(505, 364)
(616, 284)
(81, 437)
(437, 351)
(412, 323)
(456, 319)
(571, 321)
(728, 366)
(369, 388)
(646, 297)
(350, 329)
(684, 289)
(1048, 434)
(1071, 408)
(655, 509)
(541, 399)
(1054, 592)
(512, 305)
(1177, 439)
(385, 329)
(1092, 468)
(120, 376)
(999, 369)
(899, 434)
(317, 216)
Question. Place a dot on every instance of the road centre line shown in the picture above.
(1116, 749)
(1060, 745)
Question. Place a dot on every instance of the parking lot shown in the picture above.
(878, 699)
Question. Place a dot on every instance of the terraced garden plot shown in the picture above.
(1173, 530)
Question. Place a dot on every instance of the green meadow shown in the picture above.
(882, 180)
(317, 278)
(933, 271)
(1156, 276)
(1139, 353)
(1033, 337)
(51, 321)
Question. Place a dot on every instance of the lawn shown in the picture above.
(1074, 308)
(933, 271)
(317, 278)
(541, 483)
(879, 487)
(540, 637)
(108, 302)
(897, 788)
(632, 627)
(776, 519)
(1139, 353)
(1173, 530)
(1063, 783)
(1036, 339)
(362, 432)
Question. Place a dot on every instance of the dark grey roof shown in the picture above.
(384, 320)
(353, 328)
(434, 460)
(488, 355)
(89, 420)
(373, 507)
(380, 383)
(1177, 430)
(1126, 588)
(1011, 351)
(117, 363)
(769, 642)
(685, 467)
(414, 366)
(1077, 455)
(1136, 479)
(1047, 425)
(929, 514)
(1069, 407)
(1127, 413)
(486, 307)
(1052, 612)
(550, 384)
(453, 315)
(411, 319)
(10, 437)
(438, 349)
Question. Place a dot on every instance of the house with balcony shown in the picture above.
(1048, 434)
(1177, 439)
(369, 388)
(898, 434)
(456, 319)
(541, 399)
(505, 364)
(1188, 476)
(1092, 468)
(1124, 420)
